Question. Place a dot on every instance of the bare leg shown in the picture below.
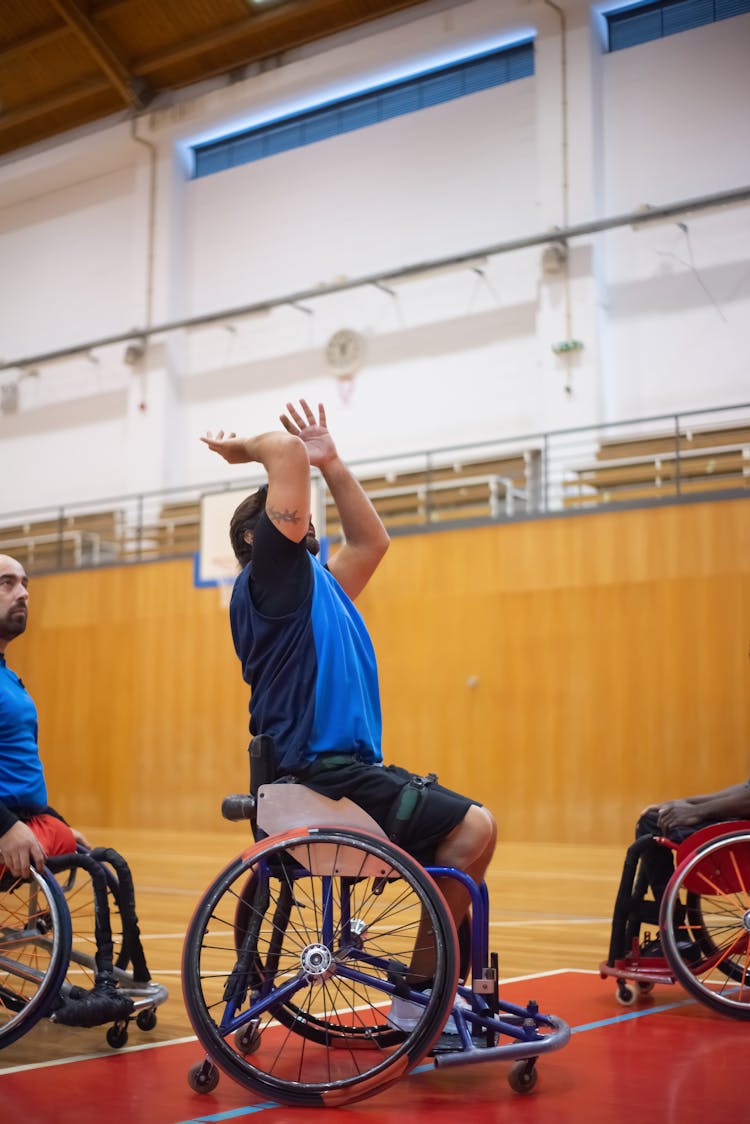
(469, 847)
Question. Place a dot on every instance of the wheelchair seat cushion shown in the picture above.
(378, 789)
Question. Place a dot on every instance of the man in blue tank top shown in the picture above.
(307, 655)
(31, 831)
(29, 828)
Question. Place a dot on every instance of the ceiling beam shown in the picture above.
(126, 84)
(45, 106)
(329, 16)
(49, 35)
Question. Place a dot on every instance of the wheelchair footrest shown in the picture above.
(104, 1003)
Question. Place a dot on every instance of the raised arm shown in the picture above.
(365, 537)
(285, 459)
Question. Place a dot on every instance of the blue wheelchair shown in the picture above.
(299, 947)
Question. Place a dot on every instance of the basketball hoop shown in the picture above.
(345, 387)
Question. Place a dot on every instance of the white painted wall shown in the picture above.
(457, 358)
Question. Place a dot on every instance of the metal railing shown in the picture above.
(658, 459)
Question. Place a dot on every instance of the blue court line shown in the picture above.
(632, 1015)
(246, 1110)
(232, 1113)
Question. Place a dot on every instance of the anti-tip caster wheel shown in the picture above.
(625, 994)
(117, 1035)
(203, 1077)
(523, 1076)
(247, 1039)
(146, 1020)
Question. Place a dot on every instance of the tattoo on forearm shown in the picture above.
(282, 516)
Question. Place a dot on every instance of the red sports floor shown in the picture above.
(669, 1060)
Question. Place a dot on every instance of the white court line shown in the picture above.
(552, 921)
(192, 1038)
(534, 920)
(93, 1057)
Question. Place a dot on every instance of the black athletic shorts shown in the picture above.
(377, 789)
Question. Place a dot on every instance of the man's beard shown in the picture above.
(312, 544)
(13, 625)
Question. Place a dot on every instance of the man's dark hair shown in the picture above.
(244, 519)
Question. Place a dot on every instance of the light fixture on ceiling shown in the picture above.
(134, 352)
(554, 257)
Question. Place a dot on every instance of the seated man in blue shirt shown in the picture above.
(307, 655)
(30, 830)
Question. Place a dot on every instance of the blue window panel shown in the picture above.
(640, 27)
(370, 107)
(283, 137)
(485, 74)
(686, 14)
(439, 88)
(321, 126)
(398, 100)
(359, 114)
(247, 148)
(631, 26)
(727, 8)
(520, 63)
(212, 158)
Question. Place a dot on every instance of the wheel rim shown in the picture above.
(34, 951)
(316, 973)
(707, 902)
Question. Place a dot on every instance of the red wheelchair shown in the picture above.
(703, 939)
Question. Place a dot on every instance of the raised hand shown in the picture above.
(231, 447)
(318, 441)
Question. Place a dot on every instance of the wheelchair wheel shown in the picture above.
(35, 941)
(318, 1028)
(705, 924)
(301, 940)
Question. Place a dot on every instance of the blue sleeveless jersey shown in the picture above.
(312, 673)
(21, 774)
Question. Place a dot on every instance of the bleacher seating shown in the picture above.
(447, 492)
(662, 466)
(63, 543)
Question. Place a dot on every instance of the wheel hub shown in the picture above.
(317, 961)
(746, 920)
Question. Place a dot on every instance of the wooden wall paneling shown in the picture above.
(565, 671)
(590, 698)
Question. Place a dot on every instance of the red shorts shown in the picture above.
(54, 835)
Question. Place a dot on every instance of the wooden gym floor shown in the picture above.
(668, 1059)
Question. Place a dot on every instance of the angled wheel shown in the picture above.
(302, 939)
(705, 924)
(35, 941)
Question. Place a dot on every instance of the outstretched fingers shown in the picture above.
(301, 423)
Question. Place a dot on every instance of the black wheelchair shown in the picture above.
(67, 956)
(703, 935)
(299, 947)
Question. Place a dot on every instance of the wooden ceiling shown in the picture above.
(66, 63)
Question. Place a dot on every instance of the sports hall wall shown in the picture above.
(105, 232)
(565, 671)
